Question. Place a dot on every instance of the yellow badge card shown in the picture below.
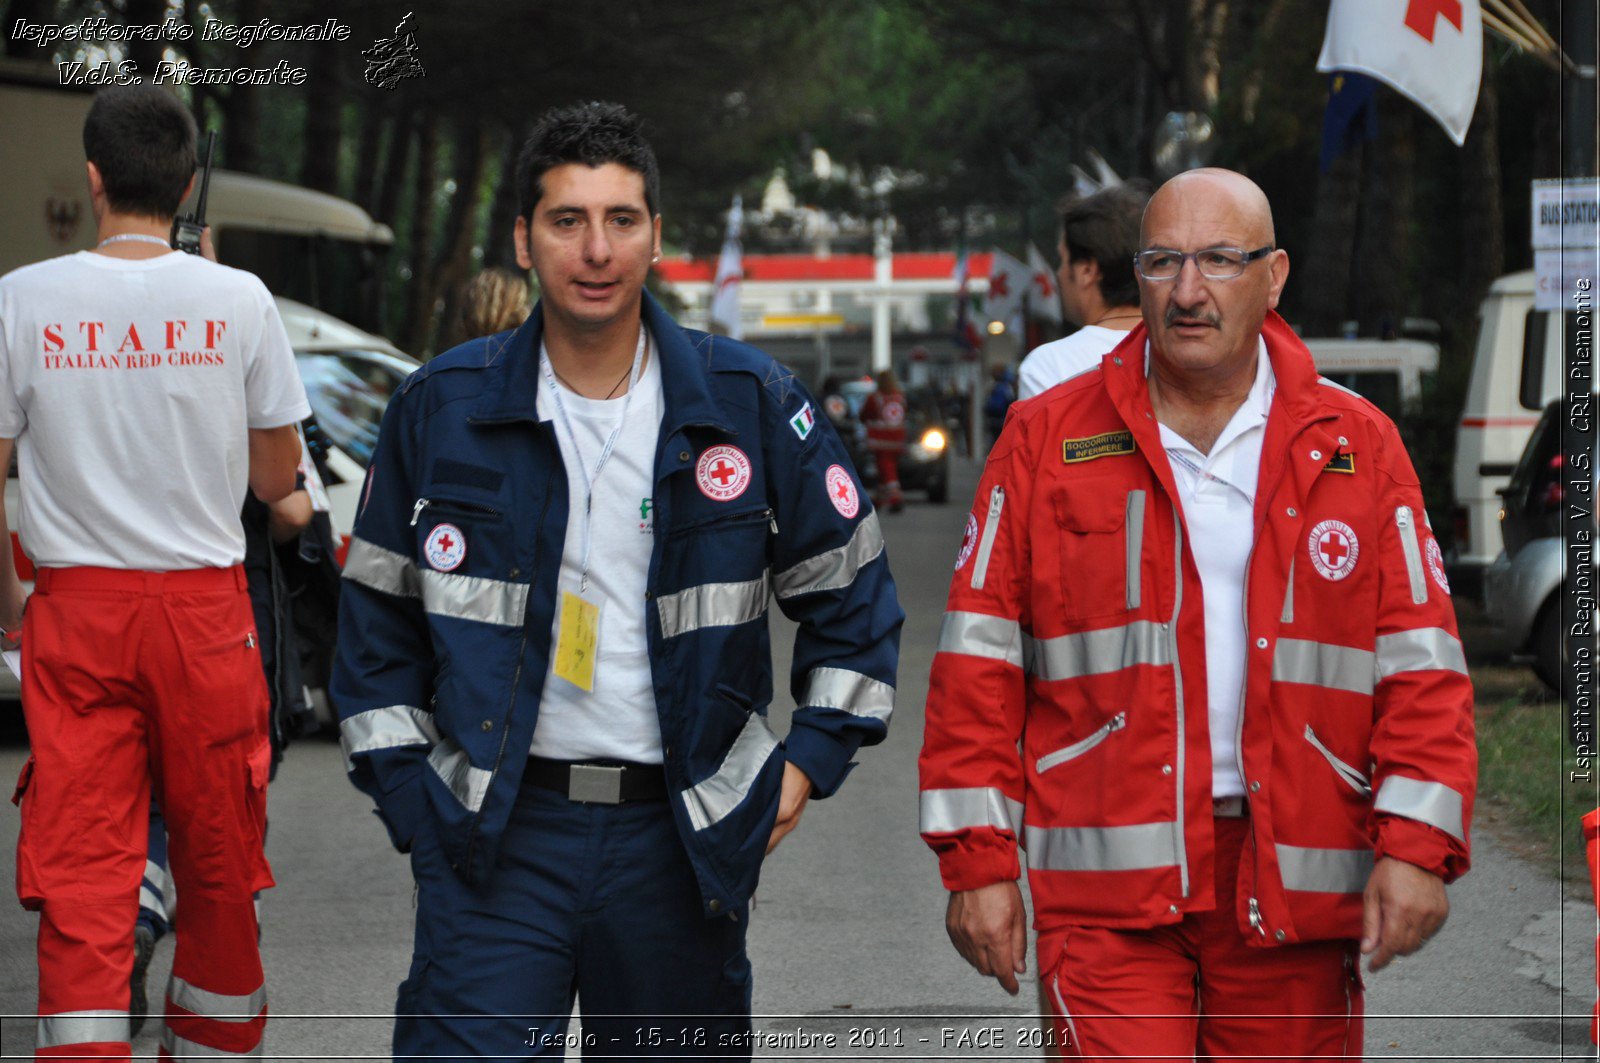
(577, 641)
(1100, 446)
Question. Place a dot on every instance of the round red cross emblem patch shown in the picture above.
(723, 473)
(1436, 565)
(446, 547)
(842, 491)
(969, 539)
(1334, 549)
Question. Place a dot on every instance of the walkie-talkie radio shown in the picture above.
(187, 228)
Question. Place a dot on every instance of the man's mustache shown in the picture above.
(1173, 313)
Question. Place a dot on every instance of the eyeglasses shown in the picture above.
(1214, 263)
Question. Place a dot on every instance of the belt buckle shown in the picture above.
(1227, 807)
(594, 784)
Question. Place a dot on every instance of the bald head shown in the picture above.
(1205, 328)
(1215, 192)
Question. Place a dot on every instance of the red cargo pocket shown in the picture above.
(22, 783)
(256, 807)
(30, 891)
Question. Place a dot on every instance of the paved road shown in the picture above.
(847, 937)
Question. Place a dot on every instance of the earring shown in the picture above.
(656, 257)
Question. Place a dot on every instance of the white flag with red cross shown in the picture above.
(730, 272)
(1009, 281)
(1045, 303)
(1430, 50)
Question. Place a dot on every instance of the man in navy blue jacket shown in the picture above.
(554, 666)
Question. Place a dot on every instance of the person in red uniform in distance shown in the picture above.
(1200, 660)
(884, 414)
(145, 390)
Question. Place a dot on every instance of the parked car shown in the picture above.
(925, 465)
(1523, 586)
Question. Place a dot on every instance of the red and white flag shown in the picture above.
(1045, 302)
(730, 271)
(1009, 281)
(1430, 50)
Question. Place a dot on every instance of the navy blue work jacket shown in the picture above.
(439, 673)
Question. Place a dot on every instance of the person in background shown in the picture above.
(494, 300)
(884, 415)
(1099, 292)
(1002, 393)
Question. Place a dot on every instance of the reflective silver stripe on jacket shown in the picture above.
(468, 784)
(1324, 870)
(184, 1049)
(1418, 650)
(383, 570)
(1134, 848)
(1288, 597)
(1322, 664)
(1110, 649)
(981, 635)
(969, 808)
(219, 1007)
(82, 1028)
(1135, 547)
(852, 692)
(1432, 803)
(712, 605)
(710, 801)
(836, 568)
(390, 727)
(488, 601)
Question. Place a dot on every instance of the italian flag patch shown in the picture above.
(803, 421)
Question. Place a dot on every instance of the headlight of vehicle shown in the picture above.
(930, 445)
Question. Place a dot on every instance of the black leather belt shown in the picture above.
(599, 783)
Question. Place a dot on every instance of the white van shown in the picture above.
(1388, 373)
(1516, 371)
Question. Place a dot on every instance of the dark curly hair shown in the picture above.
(142, 140)
(1104, 228)
(592, 133)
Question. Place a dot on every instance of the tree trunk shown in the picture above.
(1323, 299)
(365, 192)
(425, 181)
(498, 247)
(241, 110)
(324, 100)
(1483, 250)
(398, 155)
(145, 54)
(473, 147)
(1383, 244)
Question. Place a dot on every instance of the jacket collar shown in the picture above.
(685, 375)
(1292, 369)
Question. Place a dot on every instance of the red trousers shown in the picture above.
(1195, 990)
(888, 459)
(133, 683)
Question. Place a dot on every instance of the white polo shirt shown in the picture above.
(1217, 493)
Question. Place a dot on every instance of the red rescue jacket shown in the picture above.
(1067, 705)
(885, 419)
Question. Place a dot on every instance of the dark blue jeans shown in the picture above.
(596, 903)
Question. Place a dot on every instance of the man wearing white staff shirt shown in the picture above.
(1099, 293)
(146, 391)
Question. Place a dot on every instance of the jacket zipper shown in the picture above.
(1079, 748)
(1403, 520)
(991, 528)
(516, 675)
(1177, 685)
(472, 508)
(1353, 778)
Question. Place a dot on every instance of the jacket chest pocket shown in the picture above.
(1100, 533)
(455, 534)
